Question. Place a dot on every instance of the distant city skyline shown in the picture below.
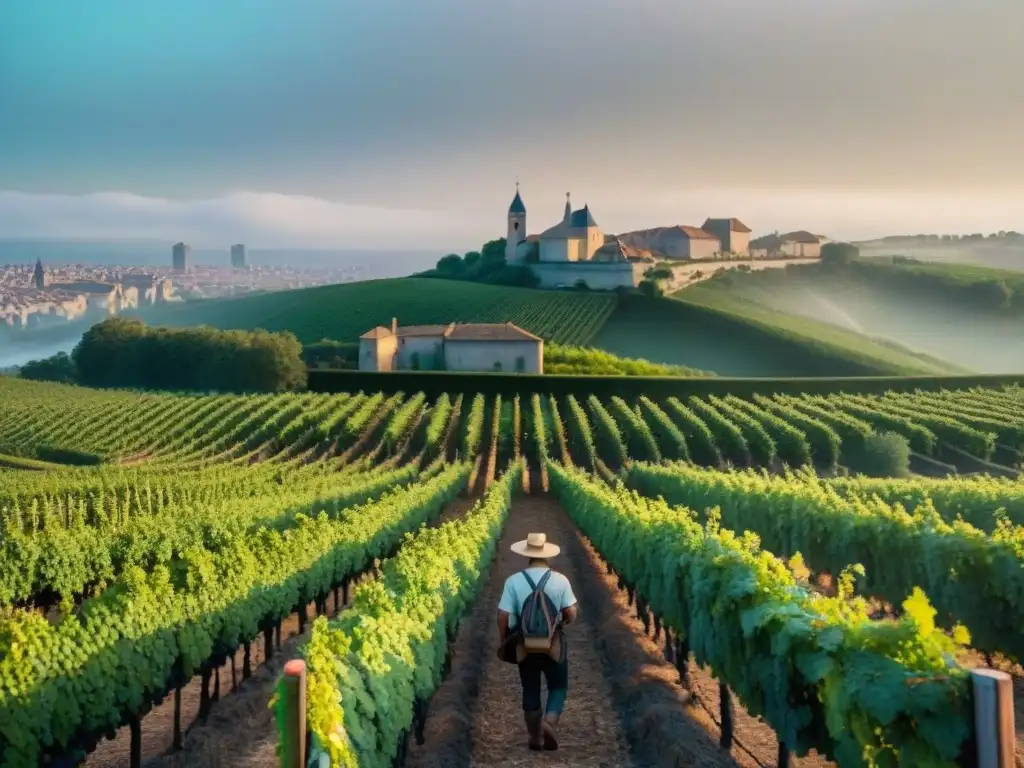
(292, 125)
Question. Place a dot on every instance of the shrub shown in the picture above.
(127, 353)
(59, 367)
(839, 253)
(881, 454)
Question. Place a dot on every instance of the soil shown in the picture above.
(974, 660)
(625, 707)
(241, 720)
(240, 730)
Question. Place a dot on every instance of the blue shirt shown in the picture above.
(517, 589)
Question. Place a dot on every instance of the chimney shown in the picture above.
(394, 325)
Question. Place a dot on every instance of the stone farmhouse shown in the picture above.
(486, 347)
(801, 244)
(575, 249)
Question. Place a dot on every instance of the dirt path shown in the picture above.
(624, 708)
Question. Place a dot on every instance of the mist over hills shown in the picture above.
(369, 263)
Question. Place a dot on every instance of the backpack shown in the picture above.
(539, 617)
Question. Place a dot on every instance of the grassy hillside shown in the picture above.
(345, 311)
(1000, 255)
(953, 272)
(968, 315)
(725, 295)
(731, 339)
(723, 336)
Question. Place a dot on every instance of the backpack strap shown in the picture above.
(533, 587)
(544, 580)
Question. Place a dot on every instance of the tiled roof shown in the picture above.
(735, 225)
(558, 231)
(800, 236)
(380, 332)
(517, 204)
(696, 233)
(489, 332)
(422, 330)
(582, 218)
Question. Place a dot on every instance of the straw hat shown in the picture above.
(536, 545)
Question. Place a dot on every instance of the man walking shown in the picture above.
(536, 604)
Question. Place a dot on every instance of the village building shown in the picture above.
(484, 347)
(678, 242)
(733, 234)
(798, 244)
(574, 252)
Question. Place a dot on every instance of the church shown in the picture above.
(573, 251)
(575, 238)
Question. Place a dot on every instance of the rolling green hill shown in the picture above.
(732, 340)
(711, 332)
(345, 311)
(966, 315)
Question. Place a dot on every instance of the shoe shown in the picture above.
(534, 728)
(550, 741)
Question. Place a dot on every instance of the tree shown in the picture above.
(839, 253)
(451, 264)
(658, 273)
(125, 353)
(493, 251)
(990, 294)
(522, 277)
(59, 367)
(650, 288)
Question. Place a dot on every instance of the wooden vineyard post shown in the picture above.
(725, 712)
(785, 760)
(993, 718)
(176, 743)
(135, 754)
(292, 697)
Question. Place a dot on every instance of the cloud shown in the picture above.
(272, 220)
(393, 102)
(264, 219)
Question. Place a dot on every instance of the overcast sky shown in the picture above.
(398, 122)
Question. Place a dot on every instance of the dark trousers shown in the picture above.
(556, 674)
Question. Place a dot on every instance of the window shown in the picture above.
(520, 364)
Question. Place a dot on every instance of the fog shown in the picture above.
(984, 343)
(18, 353)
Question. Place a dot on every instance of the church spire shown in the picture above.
(567, 216)
(517, 207)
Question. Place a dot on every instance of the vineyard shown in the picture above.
(345, 311)
(805, 579)
(684, 333)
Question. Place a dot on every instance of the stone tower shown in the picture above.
(516, 227)
(39, 275)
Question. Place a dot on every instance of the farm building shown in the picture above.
(800, 244)
(454, 347)
(733, 234)
(678, 242)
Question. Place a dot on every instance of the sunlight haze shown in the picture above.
(850, 119)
